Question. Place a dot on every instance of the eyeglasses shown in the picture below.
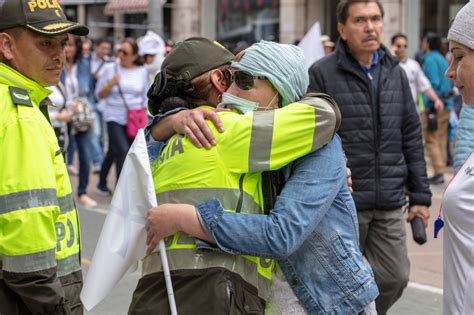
(401, 46)
(244, 79)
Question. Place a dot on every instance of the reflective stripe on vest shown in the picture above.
(30, 262)
(229, 198)
(191, 259)
(35, 198)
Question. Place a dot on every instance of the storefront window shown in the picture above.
(247, 21)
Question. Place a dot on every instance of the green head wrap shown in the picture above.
(282, 64)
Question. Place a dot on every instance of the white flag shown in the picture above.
(312, 46)
(122, 239)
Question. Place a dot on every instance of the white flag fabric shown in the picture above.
(122, 239)
(312, 46)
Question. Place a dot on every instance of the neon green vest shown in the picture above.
(39, 226)
(231, 172)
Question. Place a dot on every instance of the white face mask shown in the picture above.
(269, 105)
(241, 104)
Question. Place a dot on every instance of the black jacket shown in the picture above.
(382, 141)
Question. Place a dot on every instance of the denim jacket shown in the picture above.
(312, 230)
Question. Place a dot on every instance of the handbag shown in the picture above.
(136, 118)
(82, 120)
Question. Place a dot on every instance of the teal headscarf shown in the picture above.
(282, 64)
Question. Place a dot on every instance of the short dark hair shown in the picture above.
(102, 41)
(434, 41)
(342, 11)
(398, 35)
(14, 32)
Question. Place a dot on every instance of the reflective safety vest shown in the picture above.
(39, 227)
(231, 172)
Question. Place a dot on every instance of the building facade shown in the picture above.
(234, 21)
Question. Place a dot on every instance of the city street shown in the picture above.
(423, 295)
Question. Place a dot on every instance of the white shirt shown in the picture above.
(134, 85)
(419, 83)
(458, 243)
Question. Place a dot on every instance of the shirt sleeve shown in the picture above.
(306, 197)
(268, 140)
(422, 82)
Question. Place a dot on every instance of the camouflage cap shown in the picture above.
(193, 57)
(40, 16)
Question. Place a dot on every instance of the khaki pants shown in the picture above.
(383, 242)
(436, 141)
(212, 291)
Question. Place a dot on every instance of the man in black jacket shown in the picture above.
(381, 135)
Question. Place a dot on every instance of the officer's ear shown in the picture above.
(219, 81)
(6, 46)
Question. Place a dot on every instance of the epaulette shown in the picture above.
(20, 96)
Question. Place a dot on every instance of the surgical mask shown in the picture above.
(269, 104)
(241, 104)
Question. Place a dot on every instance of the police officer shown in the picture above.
(39, 229)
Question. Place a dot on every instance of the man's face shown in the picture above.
(362, 28)
(39, 57)
(103, 49)
(400, 48)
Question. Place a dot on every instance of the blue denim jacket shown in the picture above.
(312, 230)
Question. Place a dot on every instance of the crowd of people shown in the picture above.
(289, 199)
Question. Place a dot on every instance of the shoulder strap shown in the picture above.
(63, 92)
(120, 89)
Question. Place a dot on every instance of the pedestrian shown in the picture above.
(458, 199)
(40, 269)
(77, 80)
(381, 136)
(195, 175)
(419, 83)
(122, 86)
(436, 135)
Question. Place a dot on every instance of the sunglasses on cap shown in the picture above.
(243, 79)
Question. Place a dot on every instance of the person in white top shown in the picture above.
(419, 83)
(458, 199)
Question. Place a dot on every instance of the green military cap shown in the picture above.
(40, 16)
(195, 56)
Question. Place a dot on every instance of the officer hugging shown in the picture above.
(40, 270)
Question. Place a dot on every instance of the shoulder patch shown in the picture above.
(20, 96)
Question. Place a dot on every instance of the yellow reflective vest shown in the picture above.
(39, 227)
(231, 172)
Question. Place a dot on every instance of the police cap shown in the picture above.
(40, 16)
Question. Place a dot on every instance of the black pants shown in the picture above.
(119, 143)
(212, 291)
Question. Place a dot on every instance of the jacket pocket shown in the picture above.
(343, 255)
(72, 285)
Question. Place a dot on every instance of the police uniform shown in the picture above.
(206, 279)
(39, 227)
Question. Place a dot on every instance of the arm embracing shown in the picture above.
(271, 139)
(307, 195)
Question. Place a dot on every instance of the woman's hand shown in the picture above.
(192, 124)
(168, 219)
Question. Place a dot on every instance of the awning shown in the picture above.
(126, 6)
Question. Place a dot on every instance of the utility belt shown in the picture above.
(183, 254)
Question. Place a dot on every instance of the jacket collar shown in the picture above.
(346, 61)
(11, 77)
